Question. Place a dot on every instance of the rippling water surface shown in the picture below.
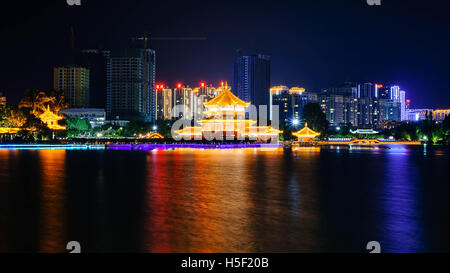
(254, 200)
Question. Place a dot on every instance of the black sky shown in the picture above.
(312, 43)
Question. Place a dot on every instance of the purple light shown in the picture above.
(149, 147)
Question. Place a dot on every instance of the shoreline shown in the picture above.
(177, 146)
(138, 147)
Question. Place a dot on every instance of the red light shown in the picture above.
(222, 83)
(179, 85)
(379, 86)
(202, 84)
(157, 86)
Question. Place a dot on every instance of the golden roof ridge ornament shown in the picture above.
(226, 98)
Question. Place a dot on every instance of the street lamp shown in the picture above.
(155, 127)
(296, 122)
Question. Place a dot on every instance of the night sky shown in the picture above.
(313, 44)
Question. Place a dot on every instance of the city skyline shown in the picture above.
(303, 53)
(230, 135)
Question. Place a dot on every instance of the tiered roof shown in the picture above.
(226, 98)
(306, 132)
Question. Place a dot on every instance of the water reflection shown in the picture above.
(52, 209)
(304, 200)
(231, 201)
(401, 204)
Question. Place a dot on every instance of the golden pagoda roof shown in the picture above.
(50, 118)
(306, 132)
(226, 98)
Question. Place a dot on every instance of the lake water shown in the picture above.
(239, 200)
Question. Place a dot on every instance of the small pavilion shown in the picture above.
(51, 120)
(154, 135)
(306, 134)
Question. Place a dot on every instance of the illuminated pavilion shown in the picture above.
(225, 118)
(306, 134)
(51, 120)
(48, 117)
(154, 136)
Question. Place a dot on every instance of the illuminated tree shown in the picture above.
(315, 117)
(136, 127)
(13, 117)
(446, 129)
(164, 128)
(58, 101)
(35, 100)
(406, 131)
(78, 125)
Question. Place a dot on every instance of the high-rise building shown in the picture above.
(346, 89)
(339, 104)
(395, 93)
(365, 105)
(200, 95)
(96, 60)
(183, 99)
(251, 78)
(383, 92)
(163, 102)
(378, 112)
(279, 95)
(299, 100)
(131, 84)
(365, 111)
(350, 110)
(393, 110)
(378, 89)
(290, 103)
(408, 104)
(402, 105)
(367, 90)
(2, 101)
(333, 107)
(74, 81)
